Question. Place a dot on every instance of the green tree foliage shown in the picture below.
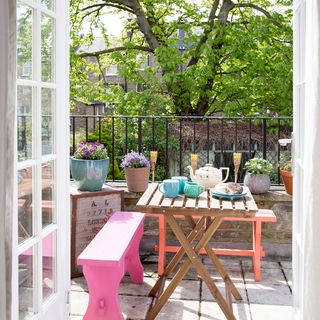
(229, 56)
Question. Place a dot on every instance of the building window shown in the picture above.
(112, 70)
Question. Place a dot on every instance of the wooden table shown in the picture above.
(211, 211)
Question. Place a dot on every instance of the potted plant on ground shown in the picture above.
(285, 171)
(137, 170)
(90, 166)
(257, 178)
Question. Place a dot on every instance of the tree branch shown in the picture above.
(256, 7)
(206, 33)
(115, 49)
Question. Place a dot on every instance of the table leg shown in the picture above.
(195, 260)
(178, 256)
(216, 262)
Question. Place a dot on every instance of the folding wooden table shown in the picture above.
(211, 212)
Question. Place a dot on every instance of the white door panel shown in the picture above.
(41, 265)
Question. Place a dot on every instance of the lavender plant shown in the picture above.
(135, 160)
(91, 151)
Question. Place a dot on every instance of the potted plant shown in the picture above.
(90, 166)
(257, 178)
(285, 171)
(137, 170)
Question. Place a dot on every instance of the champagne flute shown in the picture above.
(236, 162)
(154, 157)
(194, 162)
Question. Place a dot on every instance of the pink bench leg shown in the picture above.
(103, 284)
(256, 259)
(162, 244)
(134, 265)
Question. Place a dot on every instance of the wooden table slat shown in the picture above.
(166, 202)
(145, 198)
(227, 204)
(191, 203)
(239, 204)
(249, 200)
(203, 200)
(156, 199)
(214, 203)
(178, 202)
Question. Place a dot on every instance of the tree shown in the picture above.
(210, 56)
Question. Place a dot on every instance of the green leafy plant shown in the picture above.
(259, 166)
(285, 161)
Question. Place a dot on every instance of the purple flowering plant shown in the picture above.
(135, 160)
(91, 151)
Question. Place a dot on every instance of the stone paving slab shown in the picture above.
(270, 276)
(271, 312)
(212, 311)
(180, 309)
(207, 296)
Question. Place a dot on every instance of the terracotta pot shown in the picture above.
(137, 178)
(287, 180)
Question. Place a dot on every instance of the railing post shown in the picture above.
(87, 136)
(167, 149)
(112, 148)
(208, 142)
(126, 151)
(264, 137)
(73, 134)
(180, 148)
(139, 135)
(250, 137)
(153, 129)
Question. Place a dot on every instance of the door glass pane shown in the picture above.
(48, 266)
(24, 96)
(47, 48)
(25, 198)
(48, 4)
(47, 193)
(47, 101)
(24, 42)
(26, 284)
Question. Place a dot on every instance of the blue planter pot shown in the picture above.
(89, 175)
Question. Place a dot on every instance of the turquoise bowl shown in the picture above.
(89, 175)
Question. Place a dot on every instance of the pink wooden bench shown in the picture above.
(256, 252)
(113, 251)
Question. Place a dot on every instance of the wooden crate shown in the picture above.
(90, 211)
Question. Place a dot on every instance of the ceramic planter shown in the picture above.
(137, 178)
(287, 180)
(89, 175)
(257, 183)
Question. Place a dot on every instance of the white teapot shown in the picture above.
(208, 176)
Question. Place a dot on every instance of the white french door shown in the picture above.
(41, 224)
(298, 154)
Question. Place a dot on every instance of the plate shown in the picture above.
(227, 196)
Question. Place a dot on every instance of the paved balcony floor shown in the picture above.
(269, 299)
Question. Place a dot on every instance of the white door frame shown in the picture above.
(56, 307)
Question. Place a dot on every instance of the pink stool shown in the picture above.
(113, 252)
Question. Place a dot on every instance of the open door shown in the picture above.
(41, 260)
(298, 154)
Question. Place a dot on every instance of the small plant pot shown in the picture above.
(137, 178)
(287, 180)
(257, 183)
(89, 175)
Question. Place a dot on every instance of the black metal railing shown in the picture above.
(214, 139)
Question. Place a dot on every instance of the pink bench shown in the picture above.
(113, 251)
